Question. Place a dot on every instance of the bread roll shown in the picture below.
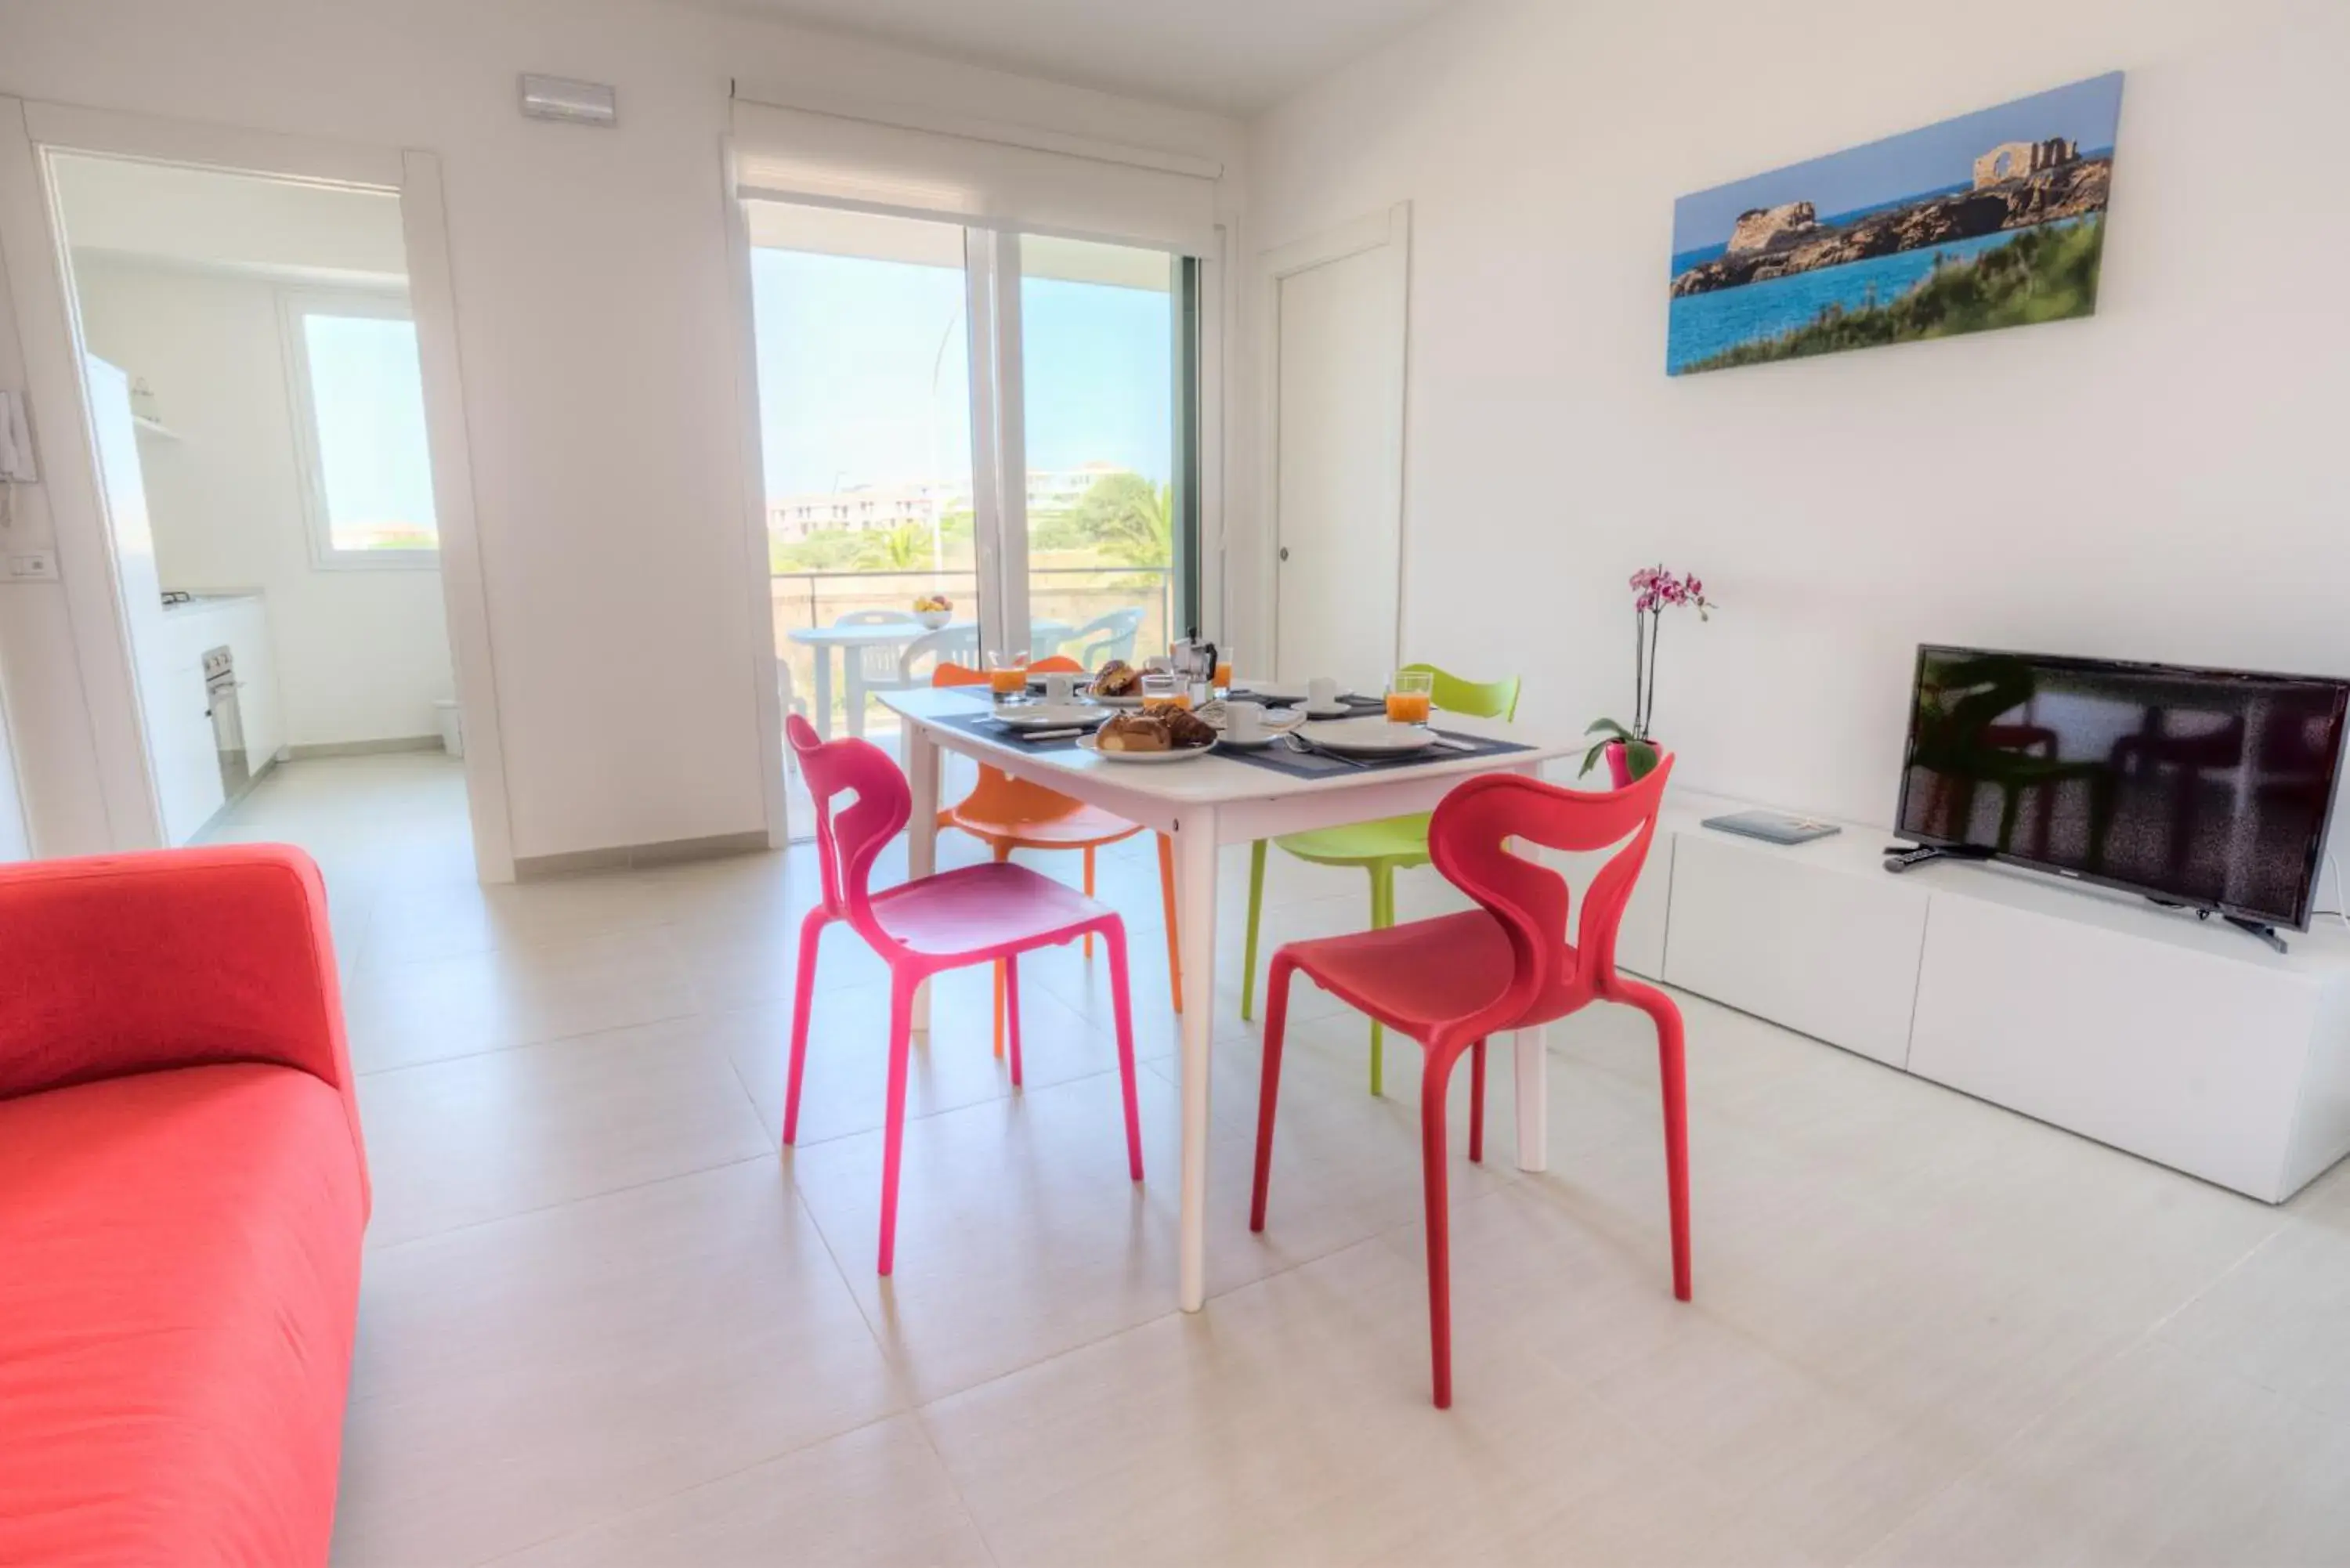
(1134, 733)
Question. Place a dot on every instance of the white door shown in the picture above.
(1337, 308)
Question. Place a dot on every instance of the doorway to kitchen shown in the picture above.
(259, 527)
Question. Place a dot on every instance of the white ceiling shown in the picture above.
(1233, 56)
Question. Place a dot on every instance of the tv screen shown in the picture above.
(2204, 787)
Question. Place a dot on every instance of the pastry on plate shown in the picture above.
(1135, 732)
(1186, 729)
(1118, 679)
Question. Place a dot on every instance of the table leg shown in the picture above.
(852, 681)
(823, 691)
(1195, 912)
(922, 763)
(1533, 1065)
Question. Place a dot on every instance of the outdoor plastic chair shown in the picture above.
(1451, 981)
(874, 667)
(1382, 848)
(1008, 814)
(1107, 637)
(976, 914)
(940, 648)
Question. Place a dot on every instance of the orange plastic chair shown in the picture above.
(1008, 814)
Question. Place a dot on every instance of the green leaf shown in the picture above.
(1591, 758)
(1608, 727)
(1642, 758)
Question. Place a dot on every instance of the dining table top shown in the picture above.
(1215, 778)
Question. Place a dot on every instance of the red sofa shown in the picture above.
(182, 1197)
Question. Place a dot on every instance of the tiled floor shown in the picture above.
(605, 1324)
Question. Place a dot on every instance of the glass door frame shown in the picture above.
(992, 273)
(999, 434)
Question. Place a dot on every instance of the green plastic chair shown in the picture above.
(1381, 849)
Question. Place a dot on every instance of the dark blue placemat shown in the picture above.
(1281, 758)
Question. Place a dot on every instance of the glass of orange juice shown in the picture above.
(1410, 695)
(1222, 679)
(1162, 689)
(1007, 673)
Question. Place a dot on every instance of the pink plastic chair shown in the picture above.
(1451, 981)
(978, 915)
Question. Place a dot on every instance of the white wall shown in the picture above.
(2189, 505)
(361, 654)
(596, 325)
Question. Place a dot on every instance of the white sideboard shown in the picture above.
(2186, 1043)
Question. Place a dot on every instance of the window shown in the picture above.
(358, 406)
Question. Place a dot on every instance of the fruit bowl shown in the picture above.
(933, 619)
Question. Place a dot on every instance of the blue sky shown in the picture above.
(864, 373)
(1906, 165)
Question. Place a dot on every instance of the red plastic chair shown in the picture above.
(1451, 981)
(979, 914)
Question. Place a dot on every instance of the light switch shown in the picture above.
(32, 566)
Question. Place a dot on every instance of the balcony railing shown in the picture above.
(1072, 596)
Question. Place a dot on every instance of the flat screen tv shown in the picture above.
(2207, 788)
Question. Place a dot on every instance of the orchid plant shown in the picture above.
(1655, 590)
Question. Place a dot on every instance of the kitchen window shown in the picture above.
(357, 392)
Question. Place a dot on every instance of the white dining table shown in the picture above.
(1203, 805)
(849, 639)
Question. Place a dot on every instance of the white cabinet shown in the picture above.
(2188, 1043)
(1831, 953)
(180, 743)
(181, 733)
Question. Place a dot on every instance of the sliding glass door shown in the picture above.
(1005, 422)
(864, 365)
(1107, 468)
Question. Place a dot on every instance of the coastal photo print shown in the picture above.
(1993, 219)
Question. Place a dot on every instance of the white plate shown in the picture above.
(1336, 711)
(1371, 737)
(1092, 743)
(1046, 715)
(1128, 703)
(1273, 694)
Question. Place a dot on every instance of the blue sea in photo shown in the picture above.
(1704, 324)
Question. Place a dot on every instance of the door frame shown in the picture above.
(33, 241)
(1390, 232)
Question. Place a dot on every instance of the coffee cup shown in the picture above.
(1060, 686)
(1245, 721)
(1322, 692)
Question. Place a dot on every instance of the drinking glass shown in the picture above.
(1410, 695)
(1163, 688)
(1007, 673)
(1222, 678)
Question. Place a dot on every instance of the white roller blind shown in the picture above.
(800, 155)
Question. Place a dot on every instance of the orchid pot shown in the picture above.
(1630, 750)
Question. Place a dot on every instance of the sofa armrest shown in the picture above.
(115, 964)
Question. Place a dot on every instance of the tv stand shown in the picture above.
(2260, 928)
(1900, 857)
(2082, 1005)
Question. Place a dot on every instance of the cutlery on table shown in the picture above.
(1297, 742)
